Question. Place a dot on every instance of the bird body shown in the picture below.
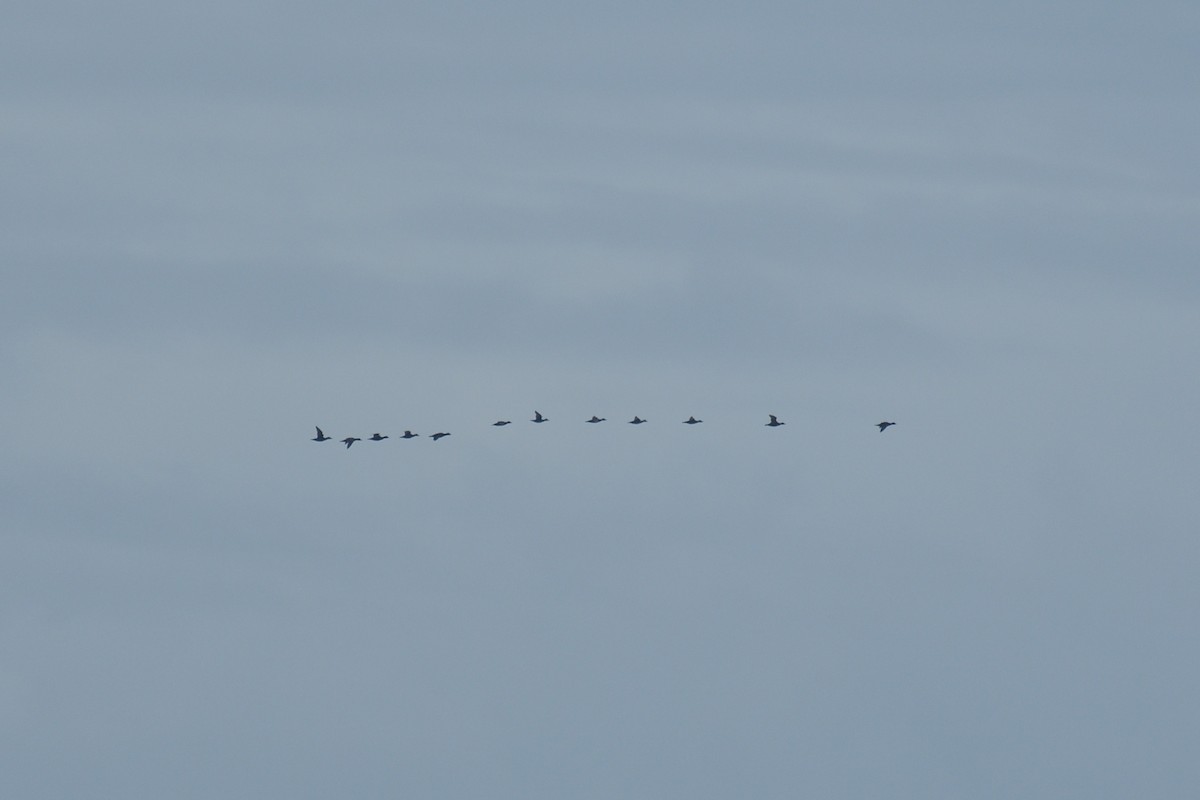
(378, 437)
(409, 435)
(636, 420)
(774, 423)
(692, 421)
(883, 426)
(321, 437)
(502, 422)
(349, 440)
(537, 417)
(595, 419)
(436, 436)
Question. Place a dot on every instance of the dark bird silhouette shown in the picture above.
(774, 423)
(409, 435)
(378, 437)
(537, 417)
(501, 422)
(883, 426)
(595, 419)
(636, 420)
(321, 437)
(349, 440)
(692, 421)
(436, 436)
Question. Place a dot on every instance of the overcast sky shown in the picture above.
(223, 224)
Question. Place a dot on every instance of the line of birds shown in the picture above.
(537, 417)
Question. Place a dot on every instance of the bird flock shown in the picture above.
(537, 418)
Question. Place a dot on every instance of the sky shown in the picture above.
(224, 224)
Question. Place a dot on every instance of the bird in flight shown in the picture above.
(774, 423)
(883, 426)
(502, 422)
(436, 436)
(349, 440)
(321, 437)
(595, 419)
(378, 437)
(409, 435)
(537, 417)
(636, 420)
(692, 421)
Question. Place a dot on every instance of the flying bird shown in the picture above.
(321, 437)
(349, 440)
(378, 437)
(774, 423)
(883, 426)
(436, 436)
(502, 422)
(409, 435)
(692, 421)
(636, 420)
(537, 417)
(595, 419)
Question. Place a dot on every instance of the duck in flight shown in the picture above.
(436, 436)
(537, 417)
(378, 437)
(774, 423)
(409, 435)
(349, 440)
(501, 422)
(595, 419)
(321, 437)
(883, 426)
(636, 420)
(692, 421)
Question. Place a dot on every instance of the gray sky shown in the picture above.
(227, 223)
